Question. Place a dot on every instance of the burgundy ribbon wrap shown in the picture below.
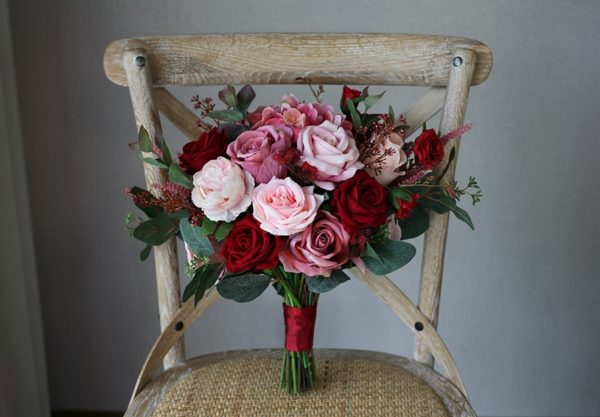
(299, 327)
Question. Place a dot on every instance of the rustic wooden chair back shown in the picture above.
(449, 65)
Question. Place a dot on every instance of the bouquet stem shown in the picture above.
(298, 370)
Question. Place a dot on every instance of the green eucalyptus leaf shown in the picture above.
(245, 97)
(155, 162)
(145, 252)
(166, 153)
(223, 230)
(416, 224)
(177, 176)
(198, 244)
(227, 96)
(391, 114)
(434, 204)
(393, 255)
(353, 114)
(370, 101)
(204, 278)
(208, 226)
(230, 115)
(370, 252)
(179, 214)
(320, 284)
(144, 141)
(243, 288)
(157, 230)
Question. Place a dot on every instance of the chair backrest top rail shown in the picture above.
(281, 58)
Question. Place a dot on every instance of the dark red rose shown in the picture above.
(360, 202)
(428, 149)
(249, 248)
(407, 207)
(350, 93)
(207, 147)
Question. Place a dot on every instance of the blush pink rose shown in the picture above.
(282, 207)
(331, 150)
(253, 150)
(392, 164)
(222, 190)
(321, 248)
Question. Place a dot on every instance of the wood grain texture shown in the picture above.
(269, 58)
(165, 255)
(424, 109)
(434, 246)
(171, 335)
(148, 399)
(177, 113)
(404, 308)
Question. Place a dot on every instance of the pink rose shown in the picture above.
(222, 189)
(321, 248)
(331, 150)
(390, 168)
(283, 207)
(271, 116)
(253, 150)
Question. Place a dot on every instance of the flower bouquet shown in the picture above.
(290, 195)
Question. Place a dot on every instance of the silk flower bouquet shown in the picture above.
(289, 196)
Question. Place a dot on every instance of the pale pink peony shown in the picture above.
(321, 248)
(390, 168)
(331, 150)
(253, 150)
(283, 207)
(222, 190)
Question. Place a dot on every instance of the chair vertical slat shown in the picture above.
(165, 256)
(434, 246)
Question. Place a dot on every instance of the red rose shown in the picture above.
(350, 93)
(407, 207)
(360, 202)
(207, 147)
(249, 248)
(429, 149)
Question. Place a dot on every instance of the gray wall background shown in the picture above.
(520, 306)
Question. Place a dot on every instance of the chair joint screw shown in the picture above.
(457, 61)
(419, 326)
(140, 61)
(179, 326)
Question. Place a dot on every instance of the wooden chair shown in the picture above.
(352, 383)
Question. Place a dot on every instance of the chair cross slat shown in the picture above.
(177, 113)
(424, 109)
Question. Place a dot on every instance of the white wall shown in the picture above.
(520, 303)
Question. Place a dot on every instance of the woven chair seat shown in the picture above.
(350, 384)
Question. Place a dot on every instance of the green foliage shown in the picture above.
(416, 224)
(392, 255)
(441, 203)
(198, 244)
(144, 141)
(223, 230)
(204, 278)
(166, 153)
(151, 210)
(356, 122)
(320, 284)
(227, 96)
(231, 115)
(245, 97)
(157, 230)
(370, 101)
(155, 162)
(243, 288)
(145, 253)
(208, 226)
(177, 176)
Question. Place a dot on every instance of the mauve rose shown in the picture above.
(331, 150)
(283, 207)
(321, 248)
(253, 150)
(390, 166)
(222, 190)
(290, 100)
